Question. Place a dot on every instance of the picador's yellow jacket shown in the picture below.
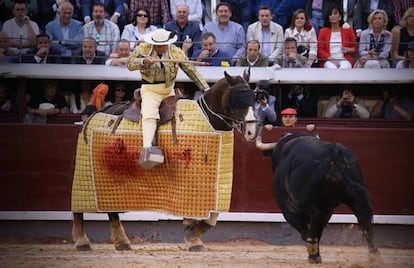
(151, 72)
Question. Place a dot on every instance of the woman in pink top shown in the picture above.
(336, 42)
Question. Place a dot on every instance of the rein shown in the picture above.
(203, 104)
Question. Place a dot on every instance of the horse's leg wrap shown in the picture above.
(118, 236)
(192, 233)
(312, 245)
(82, 242)
(212, 220)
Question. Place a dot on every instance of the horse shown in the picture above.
(227, 105)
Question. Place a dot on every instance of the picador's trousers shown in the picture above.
(152, 96)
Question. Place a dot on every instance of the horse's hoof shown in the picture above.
(197, 248)
(86, 247)
(315, 258)
(123, 246)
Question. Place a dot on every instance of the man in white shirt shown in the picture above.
(20, 29)
(268, 33)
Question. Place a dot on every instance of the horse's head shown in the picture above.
(230, 104)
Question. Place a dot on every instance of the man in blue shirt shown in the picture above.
(65, 33)
(210, 52)
(230, 35)
(188, 32)
(242, 11)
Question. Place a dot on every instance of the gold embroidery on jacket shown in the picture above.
(151, 73)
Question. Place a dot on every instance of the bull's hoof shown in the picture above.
(86, 247)
(373, 250)
(197, 248)
(315, 258)
(123, 246)
(374, 258)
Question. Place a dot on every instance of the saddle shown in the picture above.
(131, 110)
(168, 107)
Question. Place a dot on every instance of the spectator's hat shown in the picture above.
(410, 46)
(161, 37)
(288, 111)
(99, 94)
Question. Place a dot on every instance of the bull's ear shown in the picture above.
(246, 74)
(229, 78)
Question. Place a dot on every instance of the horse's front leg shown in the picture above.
(79, 236)
(195, 228)
(118, 236)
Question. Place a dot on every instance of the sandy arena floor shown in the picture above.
(235, 253)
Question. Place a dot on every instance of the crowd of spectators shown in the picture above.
(275, 34)
(330, 34)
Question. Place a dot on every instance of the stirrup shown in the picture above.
(151, 157)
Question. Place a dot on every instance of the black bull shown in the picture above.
(311, 178)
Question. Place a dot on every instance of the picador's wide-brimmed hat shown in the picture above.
(160, 37)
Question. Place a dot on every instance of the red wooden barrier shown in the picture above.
(37, 163)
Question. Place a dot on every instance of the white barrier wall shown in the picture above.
(212, 74)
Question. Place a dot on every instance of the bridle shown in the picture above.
(230, 122)
(234, 123)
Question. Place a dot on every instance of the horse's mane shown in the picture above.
(220, 87)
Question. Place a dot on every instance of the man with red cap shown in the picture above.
(290, 117)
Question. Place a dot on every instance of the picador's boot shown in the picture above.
(192, 235)
(150, 155)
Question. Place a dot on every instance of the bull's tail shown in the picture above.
(357, 196)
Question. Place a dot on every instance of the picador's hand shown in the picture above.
(147, 61)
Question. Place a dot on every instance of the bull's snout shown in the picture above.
(251, 125)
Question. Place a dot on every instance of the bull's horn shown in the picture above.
(264, 146)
